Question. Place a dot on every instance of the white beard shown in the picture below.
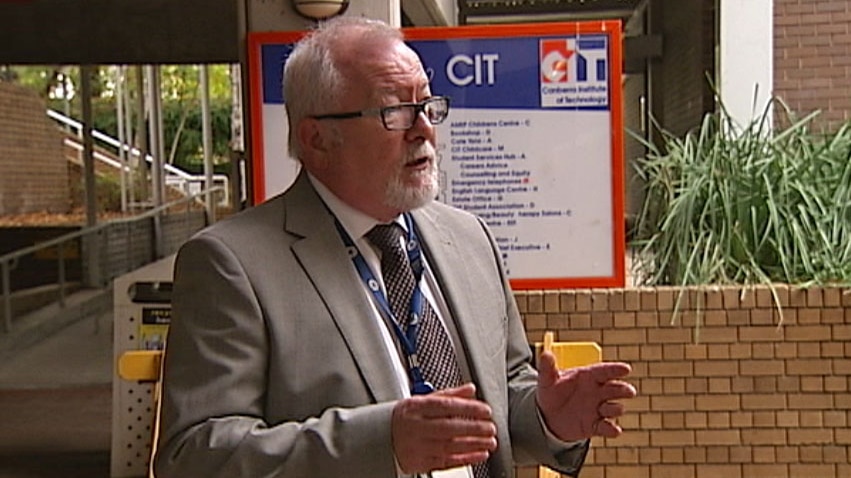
(399, 195)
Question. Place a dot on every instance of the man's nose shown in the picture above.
(422, 128)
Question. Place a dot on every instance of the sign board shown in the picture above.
(533, 143)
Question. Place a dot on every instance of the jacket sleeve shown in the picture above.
(530, 442)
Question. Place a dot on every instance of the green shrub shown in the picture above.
(743, 206)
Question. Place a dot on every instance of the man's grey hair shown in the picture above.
(313, 83)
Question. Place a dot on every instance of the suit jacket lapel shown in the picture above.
(324, 259)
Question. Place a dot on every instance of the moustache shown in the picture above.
(423, 151)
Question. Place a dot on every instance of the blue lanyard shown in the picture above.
(408, 337)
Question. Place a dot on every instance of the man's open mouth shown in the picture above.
(418, 162)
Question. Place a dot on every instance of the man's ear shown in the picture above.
(314, 141)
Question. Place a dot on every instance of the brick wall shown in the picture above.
(33, 172)
(812, 58)
(750, 398)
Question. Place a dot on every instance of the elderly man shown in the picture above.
(352, 326)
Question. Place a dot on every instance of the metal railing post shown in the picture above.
(61, 248)
(7, 298)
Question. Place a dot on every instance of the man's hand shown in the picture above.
(444, 429)
(579, 403)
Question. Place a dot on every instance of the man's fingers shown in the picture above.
(464, 451)
(454, 428)
(438, 431)
(617, 390)
(448, 416)
(611, 409)
(436, 407)
(470, 445)
(582, 402)
(607, 429)
(467, 390)
(586, 380)
(606, 371)
(548, 372)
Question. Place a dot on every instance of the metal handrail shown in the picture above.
(9, 260)
(169, 168)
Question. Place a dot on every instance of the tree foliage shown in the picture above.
(59, 86)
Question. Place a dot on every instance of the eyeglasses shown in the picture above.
(402, 116)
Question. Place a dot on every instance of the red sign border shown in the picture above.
(610, 27)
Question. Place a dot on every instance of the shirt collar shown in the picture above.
(355, 222)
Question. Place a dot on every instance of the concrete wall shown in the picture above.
(128, 246)
(33, 172)
(752, 398)
(812, 58)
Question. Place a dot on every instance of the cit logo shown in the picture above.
(569, 60)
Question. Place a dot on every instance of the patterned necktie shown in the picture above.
(434, 347)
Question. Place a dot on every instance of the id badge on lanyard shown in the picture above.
(460, 472)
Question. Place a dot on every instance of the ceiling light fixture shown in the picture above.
(320, 9)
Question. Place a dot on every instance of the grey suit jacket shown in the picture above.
(275, 366)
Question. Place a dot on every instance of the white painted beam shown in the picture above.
(746, 66)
